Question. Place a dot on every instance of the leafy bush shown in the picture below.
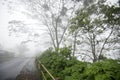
(104, 70)
(62, 65)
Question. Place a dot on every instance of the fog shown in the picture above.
(19, 44)
(17, 54)
(23, 37)
(15, 41)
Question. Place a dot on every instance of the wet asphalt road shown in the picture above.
(11, 69)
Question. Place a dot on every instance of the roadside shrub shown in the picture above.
(65, 67)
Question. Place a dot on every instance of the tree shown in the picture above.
(91, 24)
(54, 15)
(112, 17)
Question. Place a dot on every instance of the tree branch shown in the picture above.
(105, 42)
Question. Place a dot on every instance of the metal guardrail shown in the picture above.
(40, 65)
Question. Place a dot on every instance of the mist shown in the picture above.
(30, 28)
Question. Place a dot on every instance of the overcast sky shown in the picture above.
(5, 40)
(9, 42)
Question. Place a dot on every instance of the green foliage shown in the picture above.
(66, 52)
(104, 70)
(84, 20)
(65, 68)
(111, 14)
(106, 14)
(92, 21)
(80, 21)
(62, 64)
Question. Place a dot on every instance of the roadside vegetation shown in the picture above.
(83, 36)
(94, 31)
(65, 67)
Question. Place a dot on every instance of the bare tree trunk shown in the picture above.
(100, 54)
(93, 49)
(74, 44)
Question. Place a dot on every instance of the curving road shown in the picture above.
(11, 69)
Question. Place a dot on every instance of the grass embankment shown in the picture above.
(64, 67)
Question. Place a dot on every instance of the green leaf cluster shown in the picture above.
(111, 14)
(62, 65)
(104, 70)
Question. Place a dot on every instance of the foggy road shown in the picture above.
(10, 69)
